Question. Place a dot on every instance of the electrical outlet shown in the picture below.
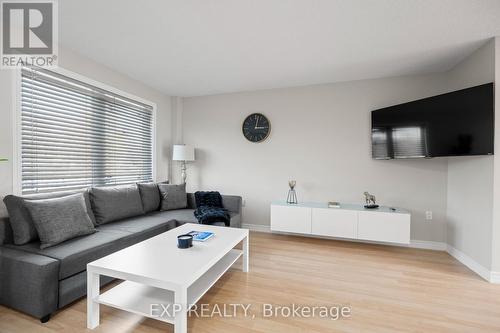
(428, 215)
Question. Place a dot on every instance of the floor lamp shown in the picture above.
(183, 153)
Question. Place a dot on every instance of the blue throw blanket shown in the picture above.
(209, 208)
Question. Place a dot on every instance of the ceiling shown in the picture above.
(201, 47)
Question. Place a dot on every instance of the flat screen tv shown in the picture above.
(459, 123)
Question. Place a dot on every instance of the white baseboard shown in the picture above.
(495, 277)
(490, 276)
(427, 245)
(256, 227)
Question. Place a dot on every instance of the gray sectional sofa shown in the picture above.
(40, 281)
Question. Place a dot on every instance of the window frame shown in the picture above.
(17, 114)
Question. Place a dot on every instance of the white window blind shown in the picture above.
(75, 135)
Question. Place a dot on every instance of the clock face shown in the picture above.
(256, 127)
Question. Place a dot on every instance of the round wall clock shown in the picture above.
(256, 127)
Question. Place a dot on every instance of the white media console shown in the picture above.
(348, 221)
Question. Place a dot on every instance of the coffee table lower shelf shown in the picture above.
(137, 298)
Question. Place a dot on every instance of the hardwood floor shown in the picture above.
(389, 289)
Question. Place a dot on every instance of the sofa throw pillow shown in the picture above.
(23, 229)
(21, 223)
(173, 196)
(150, 196)
(115, 203)
(86, 196)
(59, 219)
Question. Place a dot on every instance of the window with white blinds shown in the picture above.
(75, 135)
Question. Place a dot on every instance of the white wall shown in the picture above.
(495, 260)
(177, 104)
(320, 137)
(6, 105)
(86, 67)
(470, 179)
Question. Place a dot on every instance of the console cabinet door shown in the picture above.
(334, 222)
(291, 219)
(384, 227)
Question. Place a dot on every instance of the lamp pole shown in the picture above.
(183, 172)
(183, 154)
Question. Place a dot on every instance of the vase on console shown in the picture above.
(292, 195)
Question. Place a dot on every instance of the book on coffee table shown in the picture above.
(201, 236)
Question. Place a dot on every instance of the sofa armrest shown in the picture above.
(29, 282)
(6, 236)
(232, 203)
(191, 201)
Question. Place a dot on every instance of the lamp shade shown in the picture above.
(183, 153)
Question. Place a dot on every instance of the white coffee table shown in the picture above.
(157, 272)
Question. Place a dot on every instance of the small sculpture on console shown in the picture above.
(370, 200)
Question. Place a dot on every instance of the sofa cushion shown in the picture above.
(181, 215)
(75, 254)
(75, 287)
(173, 196)
(150, 196)
(59, 219)
(20, 219)
(235, 221)
(115, 203)
(148, 222)
(185, 216)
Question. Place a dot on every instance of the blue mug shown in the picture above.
(184, 241)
